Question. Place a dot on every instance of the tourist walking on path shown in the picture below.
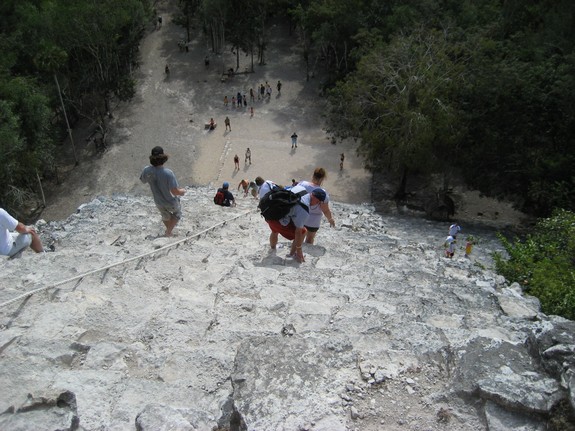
(165, 189)
(341, 159)
(236, 162)
(16, 236)
(294, 140)
(227, 122)
(279, 87)
(248, 156)
(313, 222)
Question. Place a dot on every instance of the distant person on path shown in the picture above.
(262, 90)
(159, 24)
(279, 87)
(253, 188)
(292, 226)
(294, 140)
(450, 246)
(248, 186)
(244, 184)
(237, 162)
(248, 156)
(226, 101)
(16, 236)
(227, 121)
(165, 189)
(341, 159)
(268, 91)
(252, 96)
(224, 197)
(313, 222)
(167, 69)
(251, 111)
(212, 124)
(233, 101)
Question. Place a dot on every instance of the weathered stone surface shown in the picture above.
(301, 368)
(529, 392)
(500, 419)
(49, 412)
(514, 304)
(156, 417)
(376, 330)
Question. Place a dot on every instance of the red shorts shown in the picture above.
(288, 232)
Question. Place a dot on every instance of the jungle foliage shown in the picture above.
(62, 60)
(484, 89)
(544, 263)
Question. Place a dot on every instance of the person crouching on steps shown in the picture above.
(227, 199)
(292, 226)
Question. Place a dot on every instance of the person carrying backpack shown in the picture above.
(224, 197)
(291, 226)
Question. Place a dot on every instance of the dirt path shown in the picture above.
(171, 111)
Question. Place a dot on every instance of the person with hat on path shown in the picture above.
(292, 226)
(165, 189)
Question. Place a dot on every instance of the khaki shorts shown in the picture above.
(19, 242)
(170, 212)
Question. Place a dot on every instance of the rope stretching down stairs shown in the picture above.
(123, 262)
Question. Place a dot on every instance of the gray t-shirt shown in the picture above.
(161, 181)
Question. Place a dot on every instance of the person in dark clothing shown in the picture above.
(226, 199)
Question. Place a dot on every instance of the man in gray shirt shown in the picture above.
(165, 189)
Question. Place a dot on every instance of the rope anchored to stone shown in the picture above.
(123, 262)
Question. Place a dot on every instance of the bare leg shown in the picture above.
(36, 244)
(310, 237)
(170, 225)
(273, 240)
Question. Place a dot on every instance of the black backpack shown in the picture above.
(278, 202)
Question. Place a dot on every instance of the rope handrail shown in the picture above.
(123, 262)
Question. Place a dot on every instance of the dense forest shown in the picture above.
(484, 90)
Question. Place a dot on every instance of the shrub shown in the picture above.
(544, 263)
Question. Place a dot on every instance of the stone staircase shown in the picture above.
(211, 330)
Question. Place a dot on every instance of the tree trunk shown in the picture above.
(66, 118)
(400, 193)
